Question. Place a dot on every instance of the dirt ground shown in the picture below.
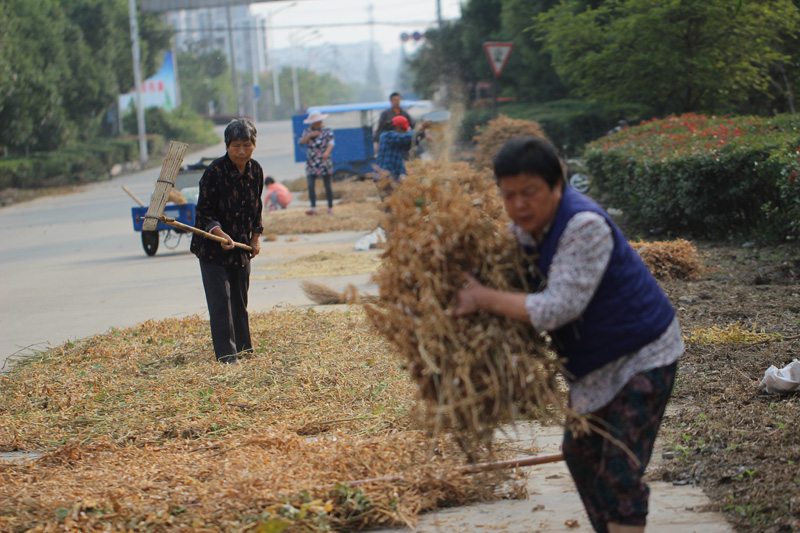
(738, 443)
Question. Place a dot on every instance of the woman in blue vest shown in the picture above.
(607, 316)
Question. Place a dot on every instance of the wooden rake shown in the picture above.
(166, 181)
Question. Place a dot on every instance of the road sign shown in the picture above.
(498, 54)
(256, 92)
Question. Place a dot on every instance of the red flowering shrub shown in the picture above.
(708, 176)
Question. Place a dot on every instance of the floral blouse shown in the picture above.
(315, 166)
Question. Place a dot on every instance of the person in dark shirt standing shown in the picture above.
(385, 120)
(229, 206)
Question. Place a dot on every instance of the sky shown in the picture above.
(350, 17)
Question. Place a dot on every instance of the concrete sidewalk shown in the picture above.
(553, 505)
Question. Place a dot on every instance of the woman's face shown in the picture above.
(316, 125)
(529, 201)
(240, 152)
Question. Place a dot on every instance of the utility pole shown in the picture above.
(295, 87)
(440, 52)
(137, 79)
(231, 49)
(255, 67)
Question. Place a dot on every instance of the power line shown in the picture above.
(297, 27)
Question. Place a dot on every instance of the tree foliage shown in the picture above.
(205, 81)
(314, 89)
(457, 53)
(62, 65)
(674, 55)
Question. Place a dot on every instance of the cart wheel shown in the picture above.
(150, 242)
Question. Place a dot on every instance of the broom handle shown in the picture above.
(174, 223)
(480, 467)
(135, 198)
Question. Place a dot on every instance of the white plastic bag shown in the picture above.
(786, 379)
(371, 239)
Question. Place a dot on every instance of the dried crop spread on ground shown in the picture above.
(741, 445)
(356, 209)
(475, 372)
(143, 431)
(311, 261)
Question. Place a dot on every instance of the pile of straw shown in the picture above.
(475, 372)
(142, 430)
(493, 135)
(669, 260)
(176, 197)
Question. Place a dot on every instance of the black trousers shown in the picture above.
(226, 295)
(311, 181)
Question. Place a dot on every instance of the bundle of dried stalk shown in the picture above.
(475, 372)
(493, 135)
(668, 260)
(176, 197)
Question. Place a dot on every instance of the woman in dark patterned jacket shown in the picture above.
(229, 206)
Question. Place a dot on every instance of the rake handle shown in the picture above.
(472, 469)
(174, 223)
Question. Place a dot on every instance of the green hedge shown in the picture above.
(705, 176)
(91, 162)
(181, 124)
(75, 165)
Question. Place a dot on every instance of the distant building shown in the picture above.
(207, 30)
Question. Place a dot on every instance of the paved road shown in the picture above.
(71, 266)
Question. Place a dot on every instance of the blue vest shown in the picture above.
(629, 309)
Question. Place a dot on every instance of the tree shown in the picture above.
(205, 78)
(31, 111)
(442, 55)
(314, 89)
(457, 51)
(529, 74)
(674, 55)
(67, 59)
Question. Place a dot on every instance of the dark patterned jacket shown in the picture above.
(232, 201)
(385, 121)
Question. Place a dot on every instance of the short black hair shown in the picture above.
(240, 129)
(269, 180)
(393, 95)
(528, 155)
